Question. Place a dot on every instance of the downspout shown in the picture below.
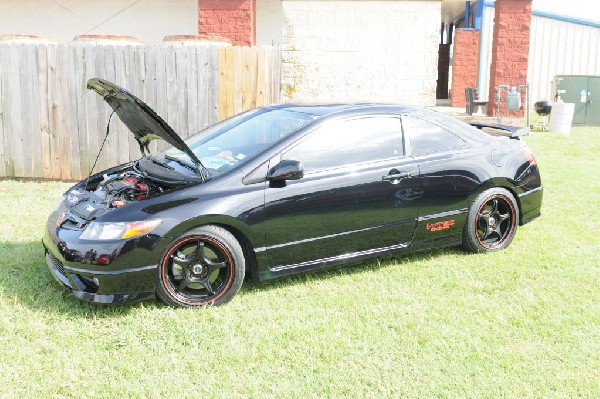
(481, 69)
(442, 29)
(468, 15)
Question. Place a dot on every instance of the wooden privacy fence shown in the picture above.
(52, 126)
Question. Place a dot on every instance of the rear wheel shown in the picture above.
(492, 221)
(204, 266)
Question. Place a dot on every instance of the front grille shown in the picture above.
(57, 269)
(55, 264)
(70, 221)
(72, 225)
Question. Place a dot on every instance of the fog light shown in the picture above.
(88, 284)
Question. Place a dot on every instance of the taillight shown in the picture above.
(526, 151)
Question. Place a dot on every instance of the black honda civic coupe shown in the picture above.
(281, 190)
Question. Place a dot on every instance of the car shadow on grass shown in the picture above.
(375, 265)
(25, 280)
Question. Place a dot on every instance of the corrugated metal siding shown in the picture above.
(556, 48)
(560, 48)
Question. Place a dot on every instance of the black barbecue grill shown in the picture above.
(543, 109)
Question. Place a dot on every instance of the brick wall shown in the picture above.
(464, 64)
(234, 19)
(510, 50)
(365, 50)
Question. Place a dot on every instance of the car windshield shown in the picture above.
(238, 139)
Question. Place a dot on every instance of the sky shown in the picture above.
(586, 9)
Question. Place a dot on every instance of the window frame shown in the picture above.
(408, 137)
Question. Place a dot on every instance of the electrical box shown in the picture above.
(584, 92)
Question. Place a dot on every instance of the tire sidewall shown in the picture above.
(216, 236)
(470, 239)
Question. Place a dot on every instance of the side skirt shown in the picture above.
(346, 259)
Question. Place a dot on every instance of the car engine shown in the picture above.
(111, 192)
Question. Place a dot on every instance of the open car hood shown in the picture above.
(143, 122)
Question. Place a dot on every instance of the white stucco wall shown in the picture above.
(150, 20)
(269, 22)
(362, 50)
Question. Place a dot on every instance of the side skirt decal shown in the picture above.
(442, 215)
(340, 258)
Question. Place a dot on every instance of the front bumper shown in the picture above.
(84, 285)
(127, 275)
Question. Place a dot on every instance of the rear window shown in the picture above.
(426, 137)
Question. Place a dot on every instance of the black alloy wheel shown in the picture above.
(492, 221)
(204, 266)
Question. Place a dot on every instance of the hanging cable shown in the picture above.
(72, 12)
(109, 18)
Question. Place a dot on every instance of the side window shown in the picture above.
(425, 137)
(345, 142)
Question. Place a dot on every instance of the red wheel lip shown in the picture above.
(178, 296)
(513, 221)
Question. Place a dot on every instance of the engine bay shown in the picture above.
(112, 191)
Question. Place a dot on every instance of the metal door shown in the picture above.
(573, 89)
(592, 110)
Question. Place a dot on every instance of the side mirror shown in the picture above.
(286, 170)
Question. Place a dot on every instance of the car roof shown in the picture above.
(357, 108)
(323, 109)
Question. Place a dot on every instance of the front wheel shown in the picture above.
(492, 221)
(204, 266)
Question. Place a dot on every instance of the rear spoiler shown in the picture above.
(515, 132)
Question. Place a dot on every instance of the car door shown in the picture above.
(358, 194)
(448, 173)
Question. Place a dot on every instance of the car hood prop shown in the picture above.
(141, 120)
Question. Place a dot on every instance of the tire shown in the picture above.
(492, 221)
(204, 266)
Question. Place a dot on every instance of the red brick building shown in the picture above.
(234, 19)
(510, 47)
(237, 20)
(509, 52)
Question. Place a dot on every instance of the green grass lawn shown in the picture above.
(522, 323)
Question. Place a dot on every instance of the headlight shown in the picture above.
(115, 231)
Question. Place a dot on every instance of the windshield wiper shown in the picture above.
(181, 162)
(200, 169)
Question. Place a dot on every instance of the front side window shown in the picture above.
(426, 137)
(344, 142)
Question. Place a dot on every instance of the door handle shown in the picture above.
(395, 176)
